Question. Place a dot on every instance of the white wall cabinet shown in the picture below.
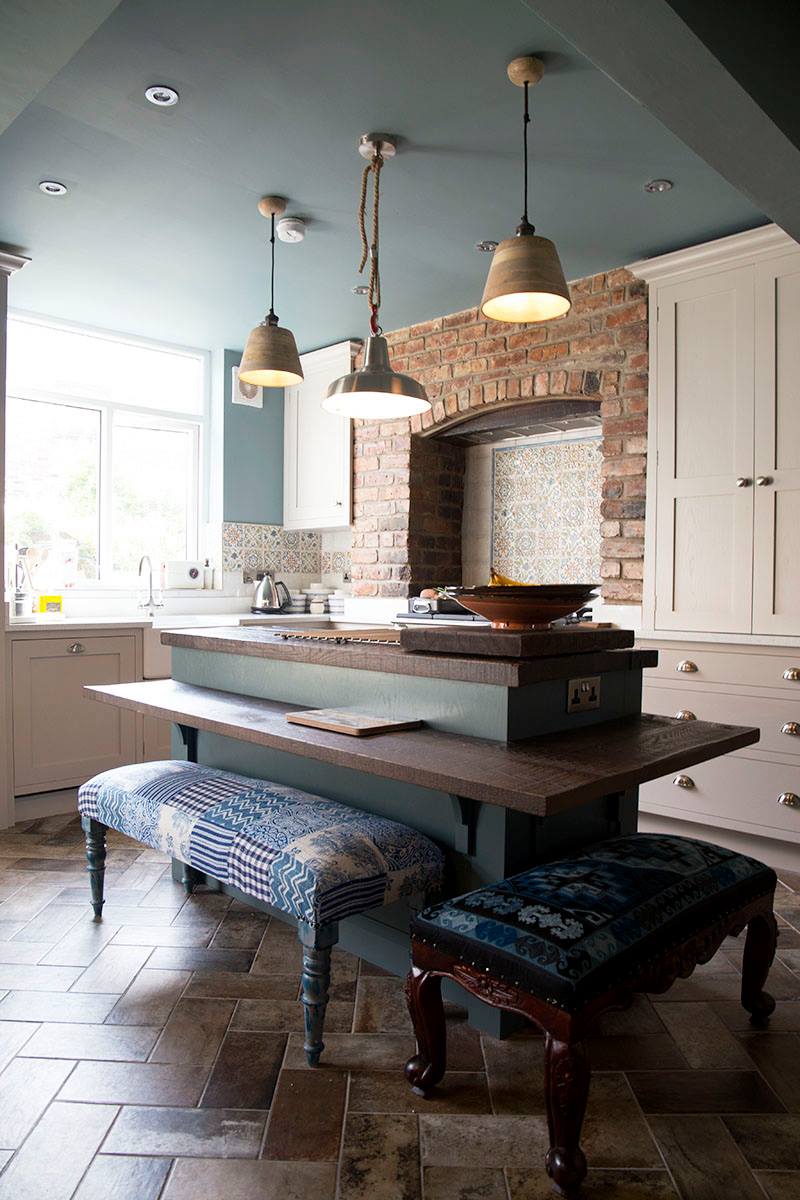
(317, 448)
(723, 498)
(61, 737)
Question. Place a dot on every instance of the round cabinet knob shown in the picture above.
(685, 714)
(683, 781)
(687, 667)
(792, 674)
(764, 480)
(743, 481)
(792, 728)
(790, 799)
(76, 648)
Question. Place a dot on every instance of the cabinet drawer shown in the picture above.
(726, 666)
(770, 716)
(61, 737)
(738, 793)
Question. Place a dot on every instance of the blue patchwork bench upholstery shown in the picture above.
(316, 860)
(563, 942)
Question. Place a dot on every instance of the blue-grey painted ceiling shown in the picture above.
(159, 234)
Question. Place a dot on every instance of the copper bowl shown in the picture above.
(525, 607)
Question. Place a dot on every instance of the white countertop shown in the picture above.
(56, 622)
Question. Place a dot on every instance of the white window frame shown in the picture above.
(197, 424)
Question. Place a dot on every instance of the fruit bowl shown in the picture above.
(525, 606)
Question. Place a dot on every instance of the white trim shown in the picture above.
(725, 252)
(9, 263)
(325, 353)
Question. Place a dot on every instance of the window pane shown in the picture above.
(96, 367)
(52, 484)
(152, 489)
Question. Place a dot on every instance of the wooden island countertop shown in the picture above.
(542, 775)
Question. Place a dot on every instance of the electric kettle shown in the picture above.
(269, 596)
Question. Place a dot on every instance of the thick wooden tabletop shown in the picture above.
(541, 775)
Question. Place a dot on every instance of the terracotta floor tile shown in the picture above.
(515, 1072)
(452, 1183)
(133, 1083)
(190, 958)
(388, 1091)
(777, 1056)
(703, 1092)
(51, 924)
(785, 1019)
(287, 1016)
(26, 1089)
(353, 1052)
(150, 999)
(22, 952)
(780, 1185)
(82, 944)
(162, 935)
(599, 1185)
(647, 1051)
(123, 1043)
(640, 1018)
(703, 1158)
(485, 1141)
(614, 1131)
(381, 1006)
(56, 1006)
(204, 1179)
(246, 1070)
(118, 1177)
(113, 970)
(194, 1032)
(769, 1143)
(57, 1153)
(19, 977)
(320, 1097)
(702, 1036)
(236, 985)
(380, 1158)
(241, 930)
(190, 1132)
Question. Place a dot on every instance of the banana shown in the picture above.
(498, 580)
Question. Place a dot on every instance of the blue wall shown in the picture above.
(252, 482)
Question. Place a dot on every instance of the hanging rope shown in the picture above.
(369, 249)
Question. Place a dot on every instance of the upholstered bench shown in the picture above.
(316, 860)
(563, 942)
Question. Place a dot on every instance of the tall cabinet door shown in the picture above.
(704, 440)
(776, 576)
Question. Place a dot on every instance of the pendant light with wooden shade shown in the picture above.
(270, 356)
(526, 281)
(375, 390)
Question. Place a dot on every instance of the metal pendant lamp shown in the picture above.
(526, 280)
(270, 356)
(375, 391)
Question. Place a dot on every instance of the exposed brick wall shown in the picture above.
(408, 485)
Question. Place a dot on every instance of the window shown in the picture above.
(103, 453)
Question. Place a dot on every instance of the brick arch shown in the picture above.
(408, 483)
(514, 414)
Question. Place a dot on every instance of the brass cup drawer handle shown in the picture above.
(687, 667)
(789, 799)
(685, 714)
(792, 674)
(683, 781)
(76, 648)
(792, 728)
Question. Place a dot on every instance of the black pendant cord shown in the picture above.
(272, 319)
(525, 225)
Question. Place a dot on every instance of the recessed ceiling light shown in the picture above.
(51, 187)
(162, 96)
(658, 185)
(486, 245)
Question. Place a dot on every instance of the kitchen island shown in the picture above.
(506, 771)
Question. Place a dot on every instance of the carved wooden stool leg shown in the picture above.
(424, 999)
(566, 1080)
(759, 951)
(95, 861)
(316, 981)
(191, 878)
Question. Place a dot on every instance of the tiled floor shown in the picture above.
(159, 1055)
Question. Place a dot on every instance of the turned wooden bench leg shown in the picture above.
(317, 943)
(95, 861)
(191, 878)
(566, 1084)
(759, 951)
(424, 999)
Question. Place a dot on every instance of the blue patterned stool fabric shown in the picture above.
(566, 931)
(316, 859)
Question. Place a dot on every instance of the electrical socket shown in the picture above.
(583, 694)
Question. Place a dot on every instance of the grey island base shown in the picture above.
(504, 773)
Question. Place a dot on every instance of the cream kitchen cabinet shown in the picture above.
(60, 736)
(317, 446)
(723, 501)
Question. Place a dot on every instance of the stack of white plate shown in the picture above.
(298, 603)
(317, 598)
(336, 603)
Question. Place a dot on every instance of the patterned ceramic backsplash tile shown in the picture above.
(546, 511)
(254, 548)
